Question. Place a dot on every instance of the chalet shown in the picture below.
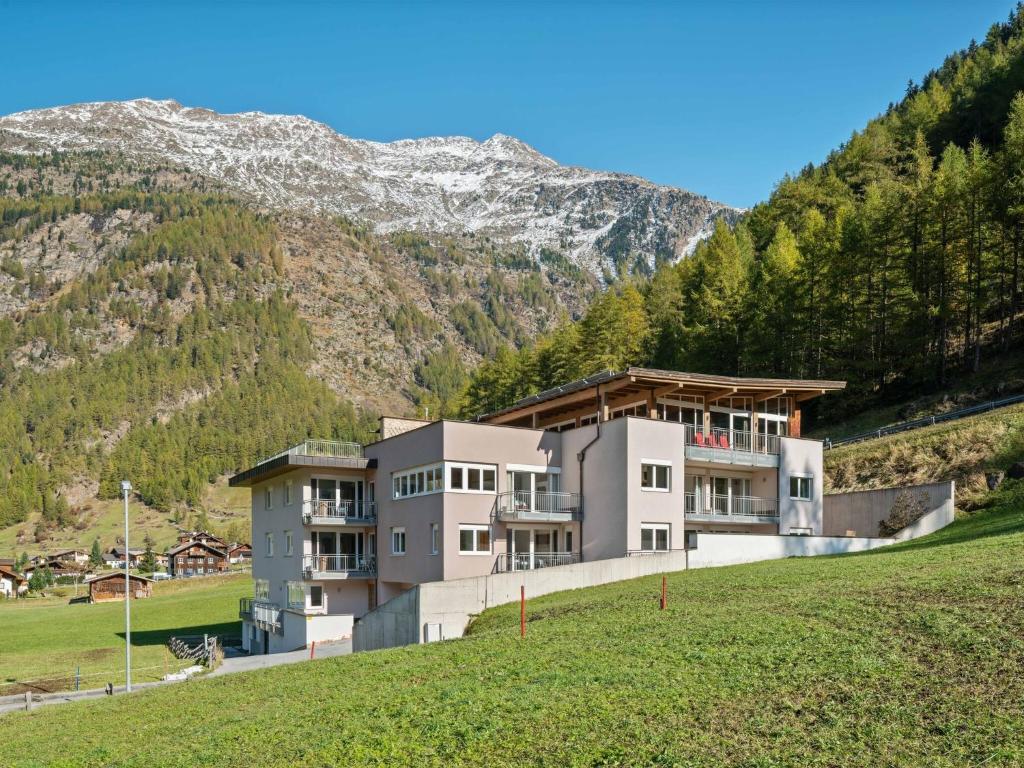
(11, 584)
(115, 557)
(239, 553)
(196, 558)
(205, 537)
(68, 557)
(110, 586)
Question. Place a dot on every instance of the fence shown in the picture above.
(906, 426)
(198, 648)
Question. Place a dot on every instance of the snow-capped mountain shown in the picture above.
(500, 187)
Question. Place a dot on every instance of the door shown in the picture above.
(720, 487)
(350, 493)
(522, 545)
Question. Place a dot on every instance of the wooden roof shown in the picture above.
(627, 386)
(195, 543)
(12, 575)
(115, 575)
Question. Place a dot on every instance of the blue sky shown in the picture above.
(721, 98)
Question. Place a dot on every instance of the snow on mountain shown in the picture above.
(499, 187)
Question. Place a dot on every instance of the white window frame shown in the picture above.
(397, 531)
(408, 479)
(268, 497)
(435, 538)
(655, 463)
(292, 589)
(810, 486)
(476, 530)
(269, 544)
(289, 544)
(655, 528)
(288, 485)
(261, 589)
(466, 467)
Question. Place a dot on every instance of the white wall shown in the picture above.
(800, 457)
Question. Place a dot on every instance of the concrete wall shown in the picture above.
(796, 458)
(657, 441)
(862, 511)
(603, 532)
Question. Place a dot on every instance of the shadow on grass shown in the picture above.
(161, 636)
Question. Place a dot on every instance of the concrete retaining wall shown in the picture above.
(441, 610)
(862, 511)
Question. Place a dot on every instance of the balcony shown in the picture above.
(731, 509)
(319, 567)
(328, 449)
(539, 507)
(325, 512)
(528, 561)
(262, 613)
(731, 446)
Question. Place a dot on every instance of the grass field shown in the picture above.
(909, 656)
(45, 640)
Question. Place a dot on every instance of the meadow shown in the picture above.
(47, 640)
(907, 656)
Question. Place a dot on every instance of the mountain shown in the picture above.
(501, 187)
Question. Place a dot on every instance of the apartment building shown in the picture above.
(613, 465)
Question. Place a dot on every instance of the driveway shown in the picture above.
(243, 663)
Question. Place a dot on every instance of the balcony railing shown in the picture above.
(260, 612)
(721, 439)
(555, 506)
(332, 449)
(358, 565)
(528, 561)
(325, 511)
(719, 505)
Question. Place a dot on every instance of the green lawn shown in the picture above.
(45, 640)
(910, 656)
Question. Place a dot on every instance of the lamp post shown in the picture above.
(126, 488)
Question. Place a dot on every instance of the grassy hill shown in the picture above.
(46, 640)
(907, 656)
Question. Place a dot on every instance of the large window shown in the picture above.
(296, 594)
(269, 545)
(316, 597)
(474, 540)
(398, 541)
(417, 482)
(288, 544)
(261, 589)
(654, 537)
(655, 475)
(472, 478)
(801, 487)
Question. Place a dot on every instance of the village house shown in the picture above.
(195, 558)
(239, 553)
(605, 467)
(11, 584)
(111, 586)
(115, 557)
(68, 557)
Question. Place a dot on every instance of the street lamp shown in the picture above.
(126, 488)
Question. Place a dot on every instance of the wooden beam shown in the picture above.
(718, 394)
(810, 395)
(767, 395)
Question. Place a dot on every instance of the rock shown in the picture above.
(1016, 471)
(993, 479)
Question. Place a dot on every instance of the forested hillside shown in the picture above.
(153, 328)
(896, 264)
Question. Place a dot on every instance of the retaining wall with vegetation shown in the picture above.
(860, 513)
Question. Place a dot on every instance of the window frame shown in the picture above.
(466, 469)
(800, 479)
(435, 539)
(288, 491)
(396, 531)
(406, 483)
(655, 529)
(268, 544)
(289, 544)
(476, 529)
(268, 497)
(656, 465)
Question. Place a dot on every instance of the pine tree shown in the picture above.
(95, 554)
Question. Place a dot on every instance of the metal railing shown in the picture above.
(259, 611)
(363, 564)
(740, 440)
(528, 561)
(332, 449)
(725, 505)
(906, 426)
(551, 505)
(365, 511)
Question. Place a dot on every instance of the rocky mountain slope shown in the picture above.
(455, 185)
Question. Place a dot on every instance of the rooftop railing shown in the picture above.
(331, 449)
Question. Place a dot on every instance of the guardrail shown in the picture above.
(906, 426)
(361, 564)
(333, 449)
(559, 506)
(365, 511)
(737, 440)
(724, 505)
(527, 561)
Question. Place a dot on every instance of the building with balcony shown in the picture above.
(617, 464)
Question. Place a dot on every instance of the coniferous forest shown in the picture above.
(896, 264)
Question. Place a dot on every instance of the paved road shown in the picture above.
(232, 663)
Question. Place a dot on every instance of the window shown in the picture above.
(636, 409)
(586, 421)
(288, 550)
(416, 482)
(434, 536)
(800, 487)
(472, 478)
(288, 492)
(398, 541)
(474, 540)
(296, 594)
(568, 541)
(268, 497)
(654, 538)
(655, 475)
(261, 589)
(316, 597)
(270, 545)
(210, 560)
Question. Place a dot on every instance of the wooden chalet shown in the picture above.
(196, 558)
(110, 586)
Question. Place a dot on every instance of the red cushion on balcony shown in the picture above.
(723, 440)
(699, 436)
